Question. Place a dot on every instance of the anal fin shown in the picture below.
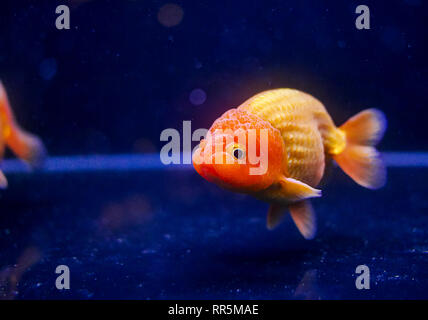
(302, 214)
(3, 180)
(275, 215)
(304, 217)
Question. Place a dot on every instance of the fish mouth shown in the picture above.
(209, 157)
(205, 170)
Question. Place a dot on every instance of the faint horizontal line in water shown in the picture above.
(122, 162)
(406, 159)
(148, 162)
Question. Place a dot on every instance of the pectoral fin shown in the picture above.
(295, 190)
(304, 217)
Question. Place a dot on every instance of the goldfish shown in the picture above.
(301, 142)
(25, 145)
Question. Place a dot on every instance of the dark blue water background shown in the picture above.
(119, 77)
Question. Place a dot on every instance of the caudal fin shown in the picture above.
(360, 159)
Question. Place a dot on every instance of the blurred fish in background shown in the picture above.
(25, 145)
(307, 288)
(11, 275)
(132, 211)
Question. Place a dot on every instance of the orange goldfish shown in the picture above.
(302, 140)
(25, 145)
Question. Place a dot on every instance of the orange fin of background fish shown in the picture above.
(295, 190)
(304, 217)
(28, 147)
(360, 160)
(275, 215)
(3, 180)
(25, 145)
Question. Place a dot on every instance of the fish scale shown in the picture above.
(307, 130)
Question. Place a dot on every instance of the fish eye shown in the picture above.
(238, 153)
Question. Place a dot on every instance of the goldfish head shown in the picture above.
(240, 152)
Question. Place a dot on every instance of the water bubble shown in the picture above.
(198, 64)
(393, 39)
(170, 15)
(413, 2)
(48, 68)
(197, 97)
(341, 44)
